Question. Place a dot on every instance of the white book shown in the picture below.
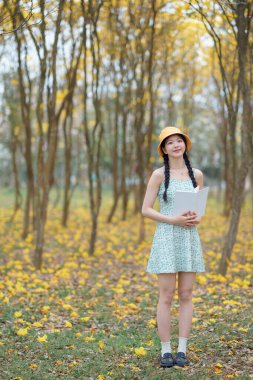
(190, 201)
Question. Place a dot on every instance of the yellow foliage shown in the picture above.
(151, 323)
(120, 284)
(89, 338)
(232, 302)
(201, 280)
(240, 283)
(243, 329)
(22, 332)
(140, 351)
(33, 365)
(42, 339)
(45, 309)
(61, 94)
(17, 314)
(37, 324)
(67, 306)
(85, 319)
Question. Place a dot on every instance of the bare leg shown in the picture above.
(167, 282)
(186, 282)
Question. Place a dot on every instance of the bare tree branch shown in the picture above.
(25, 19)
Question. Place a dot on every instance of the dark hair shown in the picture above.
(167, 168)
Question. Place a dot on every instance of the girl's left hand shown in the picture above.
(196, 220)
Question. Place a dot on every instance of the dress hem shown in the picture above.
(195, 271)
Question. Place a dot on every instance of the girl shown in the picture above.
(176, 247)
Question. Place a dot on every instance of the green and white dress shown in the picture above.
(175, 248)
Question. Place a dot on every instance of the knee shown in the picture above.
(167, 297)
(185, 295)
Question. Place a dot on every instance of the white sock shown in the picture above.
(182, 344)
(166, 347)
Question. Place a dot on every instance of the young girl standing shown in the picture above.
(176, 247)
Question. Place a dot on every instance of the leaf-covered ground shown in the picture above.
(95, 317)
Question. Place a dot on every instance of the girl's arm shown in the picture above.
(150, 197)
(199, 178)
(149, 200)
(185, 219)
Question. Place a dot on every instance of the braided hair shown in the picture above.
(167, 169)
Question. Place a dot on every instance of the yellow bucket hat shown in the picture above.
(168, 131)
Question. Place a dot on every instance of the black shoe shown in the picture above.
(167, 360)
(181, 359)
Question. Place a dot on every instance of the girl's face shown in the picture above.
(174, 146)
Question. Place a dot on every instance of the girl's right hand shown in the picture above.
(185, 219)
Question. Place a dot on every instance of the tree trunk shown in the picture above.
(67, 163)
(93, 138)
(243, 27)
(18, 198)
(115, 157)
(46, 169)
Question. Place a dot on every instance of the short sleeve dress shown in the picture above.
(175, 248)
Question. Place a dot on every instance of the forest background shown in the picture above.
(86, 87)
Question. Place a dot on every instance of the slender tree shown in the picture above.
(25, 96)
(93, 134)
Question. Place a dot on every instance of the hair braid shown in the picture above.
(166, 174)
(188, 164)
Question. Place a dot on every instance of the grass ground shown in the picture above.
(86, 317)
